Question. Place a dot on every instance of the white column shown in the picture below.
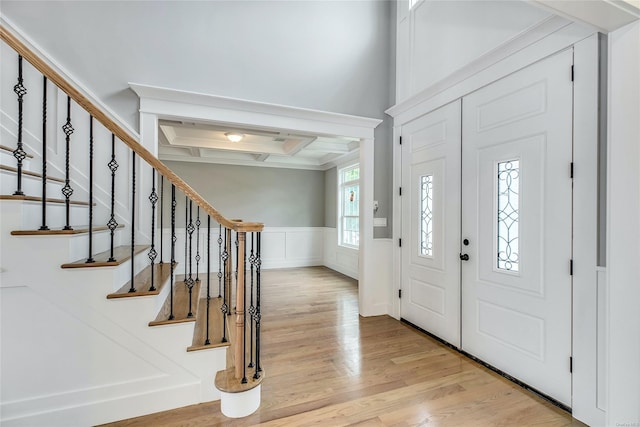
(368, 288)
(623, 246)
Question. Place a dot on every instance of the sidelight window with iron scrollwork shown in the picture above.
(508, 218)
(426, 215)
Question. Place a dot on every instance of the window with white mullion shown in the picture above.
(349, 190)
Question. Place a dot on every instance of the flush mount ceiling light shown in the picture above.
(234, 136)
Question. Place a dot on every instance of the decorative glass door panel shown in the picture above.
(431, 222)
(516, 286)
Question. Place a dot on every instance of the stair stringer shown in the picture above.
(97, 334)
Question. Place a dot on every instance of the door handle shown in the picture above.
(464, 257)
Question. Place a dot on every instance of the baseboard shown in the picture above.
(58, 410)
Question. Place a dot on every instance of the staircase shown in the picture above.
(122, 291)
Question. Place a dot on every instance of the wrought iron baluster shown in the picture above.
(44, 154)
(257, 315)
(189, 281)
(224, 255)
(67, 191)
(153, 198)
(161, 218)
(198, 245)
(219, 260)
(19, 152)
(252, 309)
(112, 223)
(133, 219)
(207, 341)
(90, 257)
(173, 247)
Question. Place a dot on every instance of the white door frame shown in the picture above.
(162, 103)
(585, 403)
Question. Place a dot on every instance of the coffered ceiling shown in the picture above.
(208, 143)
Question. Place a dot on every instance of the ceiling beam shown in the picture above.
(293, 146)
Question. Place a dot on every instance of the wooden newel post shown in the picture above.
(240, 285)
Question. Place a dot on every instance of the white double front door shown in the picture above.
(487, 224)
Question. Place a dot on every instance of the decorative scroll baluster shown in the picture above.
(189, 281)
(257, 316)
(44, 154)
(173, 247)
(90, 258)
(219, 260)
(153, 198)
(19, 152)
(241, 297)
(112, 223)
(133, 219)
(198, 223)
(224, 256)
(207, 341)
(67, 191)
(186, 226)
(161, 218)
(252, 309)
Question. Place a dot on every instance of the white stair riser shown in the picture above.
(7, 159)
(53, 251)
(79, 244)
(56, 215)
(123, 274)
(31, 185)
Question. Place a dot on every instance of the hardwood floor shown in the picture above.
(327, 366)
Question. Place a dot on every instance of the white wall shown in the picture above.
(324, 55)
(623, 249)
(438, 38)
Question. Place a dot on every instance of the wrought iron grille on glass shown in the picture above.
(426, 215)
(508, 216)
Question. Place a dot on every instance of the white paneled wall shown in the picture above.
(282, 247)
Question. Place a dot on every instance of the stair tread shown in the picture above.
(215, 326)
(9, 149)
(227, 382)
(180, 305)
(142, 282)
(120, 253)
(35, 174)
(39, 199)
(77, 229)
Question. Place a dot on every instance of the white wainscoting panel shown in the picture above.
(281, 247)
(339, 258)
(601, 392)
(288, 247)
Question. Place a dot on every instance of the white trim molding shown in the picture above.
(177, 104)
(163, 103)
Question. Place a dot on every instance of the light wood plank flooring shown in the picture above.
(327, 366)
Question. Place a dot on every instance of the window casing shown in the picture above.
(349, 206)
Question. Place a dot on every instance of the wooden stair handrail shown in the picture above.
(122, 134)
